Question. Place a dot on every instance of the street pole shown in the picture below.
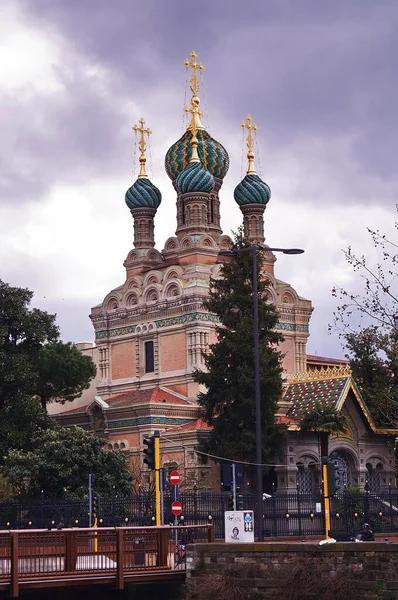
(234, 484)
(90, 500)
(157, 478)
(257, 395)
(253, 249)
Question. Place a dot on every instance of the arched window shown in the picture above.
(306, 476)
(172, 291)
(374, 477)
(98, 420)
(342, 470)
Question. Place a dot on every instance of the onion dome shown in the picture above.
(143, 194)
(252, 190)
(212, 154)
(195, 178)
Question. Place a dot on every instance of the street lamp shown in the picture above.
(253, 249)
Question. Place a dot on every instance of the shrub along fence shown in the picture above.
(284, 514)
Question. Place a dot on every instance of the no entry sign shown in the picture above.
(174, 477)
(176, 508)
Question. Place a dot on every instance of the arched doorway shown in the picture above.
(307, 481)
(375, 472)
(342, 469)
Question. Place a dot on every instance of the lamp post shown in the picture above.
(253, 250)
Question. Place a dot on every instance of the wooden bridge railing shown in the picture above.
(45, 558)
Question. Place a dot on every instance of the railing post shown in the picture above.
(119, 559)
(70, 551)
(14, 565)
(163, 547)
(210, 534)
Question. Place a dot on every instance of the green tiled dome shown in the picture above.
(212, 154)
(143, 194)
(252, 190)
(195, 179)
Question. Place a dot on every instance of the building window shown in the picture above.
(149, 357)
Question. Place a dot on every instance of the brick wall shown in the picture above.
(123, 360)
(173, 352)
(370, 568)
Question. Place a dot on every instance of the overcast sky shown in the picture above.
(319, 78)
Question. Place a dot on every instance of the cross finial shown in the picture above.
(142, 145)
(195, 67)
(250, 142)
(194, 85)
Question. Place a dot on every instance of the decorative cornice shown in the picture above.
(188, 318)
(115, 332)
(148, 421)
(292, 327)
(329, 372)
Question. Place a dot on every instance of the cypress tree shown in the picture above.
(229, 399)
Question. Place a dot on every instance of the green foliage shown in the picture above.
(324, 419)
(60, 461)
(23, 331)
(21, 422)
(374, 362)
(33, 362)
(372, 347)
(229, 402)
(63, 372)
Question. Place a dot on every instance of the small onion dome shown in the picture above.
(212, 154)
(252, 190)
(195, 178)
(143, 194)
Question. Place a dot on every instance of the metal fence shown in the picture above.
(284, 514)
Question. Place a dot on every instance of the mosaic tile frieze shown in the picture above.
(188, 318)
(148, 421)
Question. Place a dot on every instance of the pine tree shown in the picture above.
(229, 399)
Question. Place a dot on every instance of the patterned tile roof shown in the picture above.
(303, 396)
(282, 420)
(155, 395)
(325, 359)
(199, 424)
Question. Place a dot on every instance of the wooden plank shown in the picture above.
(14, 565)
(163, 547)
(210, 534)
(119, 559)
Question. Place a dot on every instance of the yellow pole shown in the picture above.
(326, 499)
(157, 478)
(95, 525)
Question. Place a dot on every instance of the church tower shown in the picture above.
(152, 330)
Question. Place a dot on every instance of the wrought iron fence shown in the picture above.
(285, 515)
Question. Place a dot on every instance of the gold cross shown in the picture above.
(250, 128)
(142, 145)
(196, 114)
(195, 67)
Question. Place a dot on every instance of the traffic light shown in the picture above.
(94, 505)
(231, 502)
(331, 478)
(239, 500)
(149, 452)
(331, 475)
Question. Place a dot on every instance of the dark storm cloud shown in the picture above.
(71, 136)
(318, 76)
(307, 70)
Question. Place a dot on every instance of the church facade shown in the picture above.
(152, 330)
